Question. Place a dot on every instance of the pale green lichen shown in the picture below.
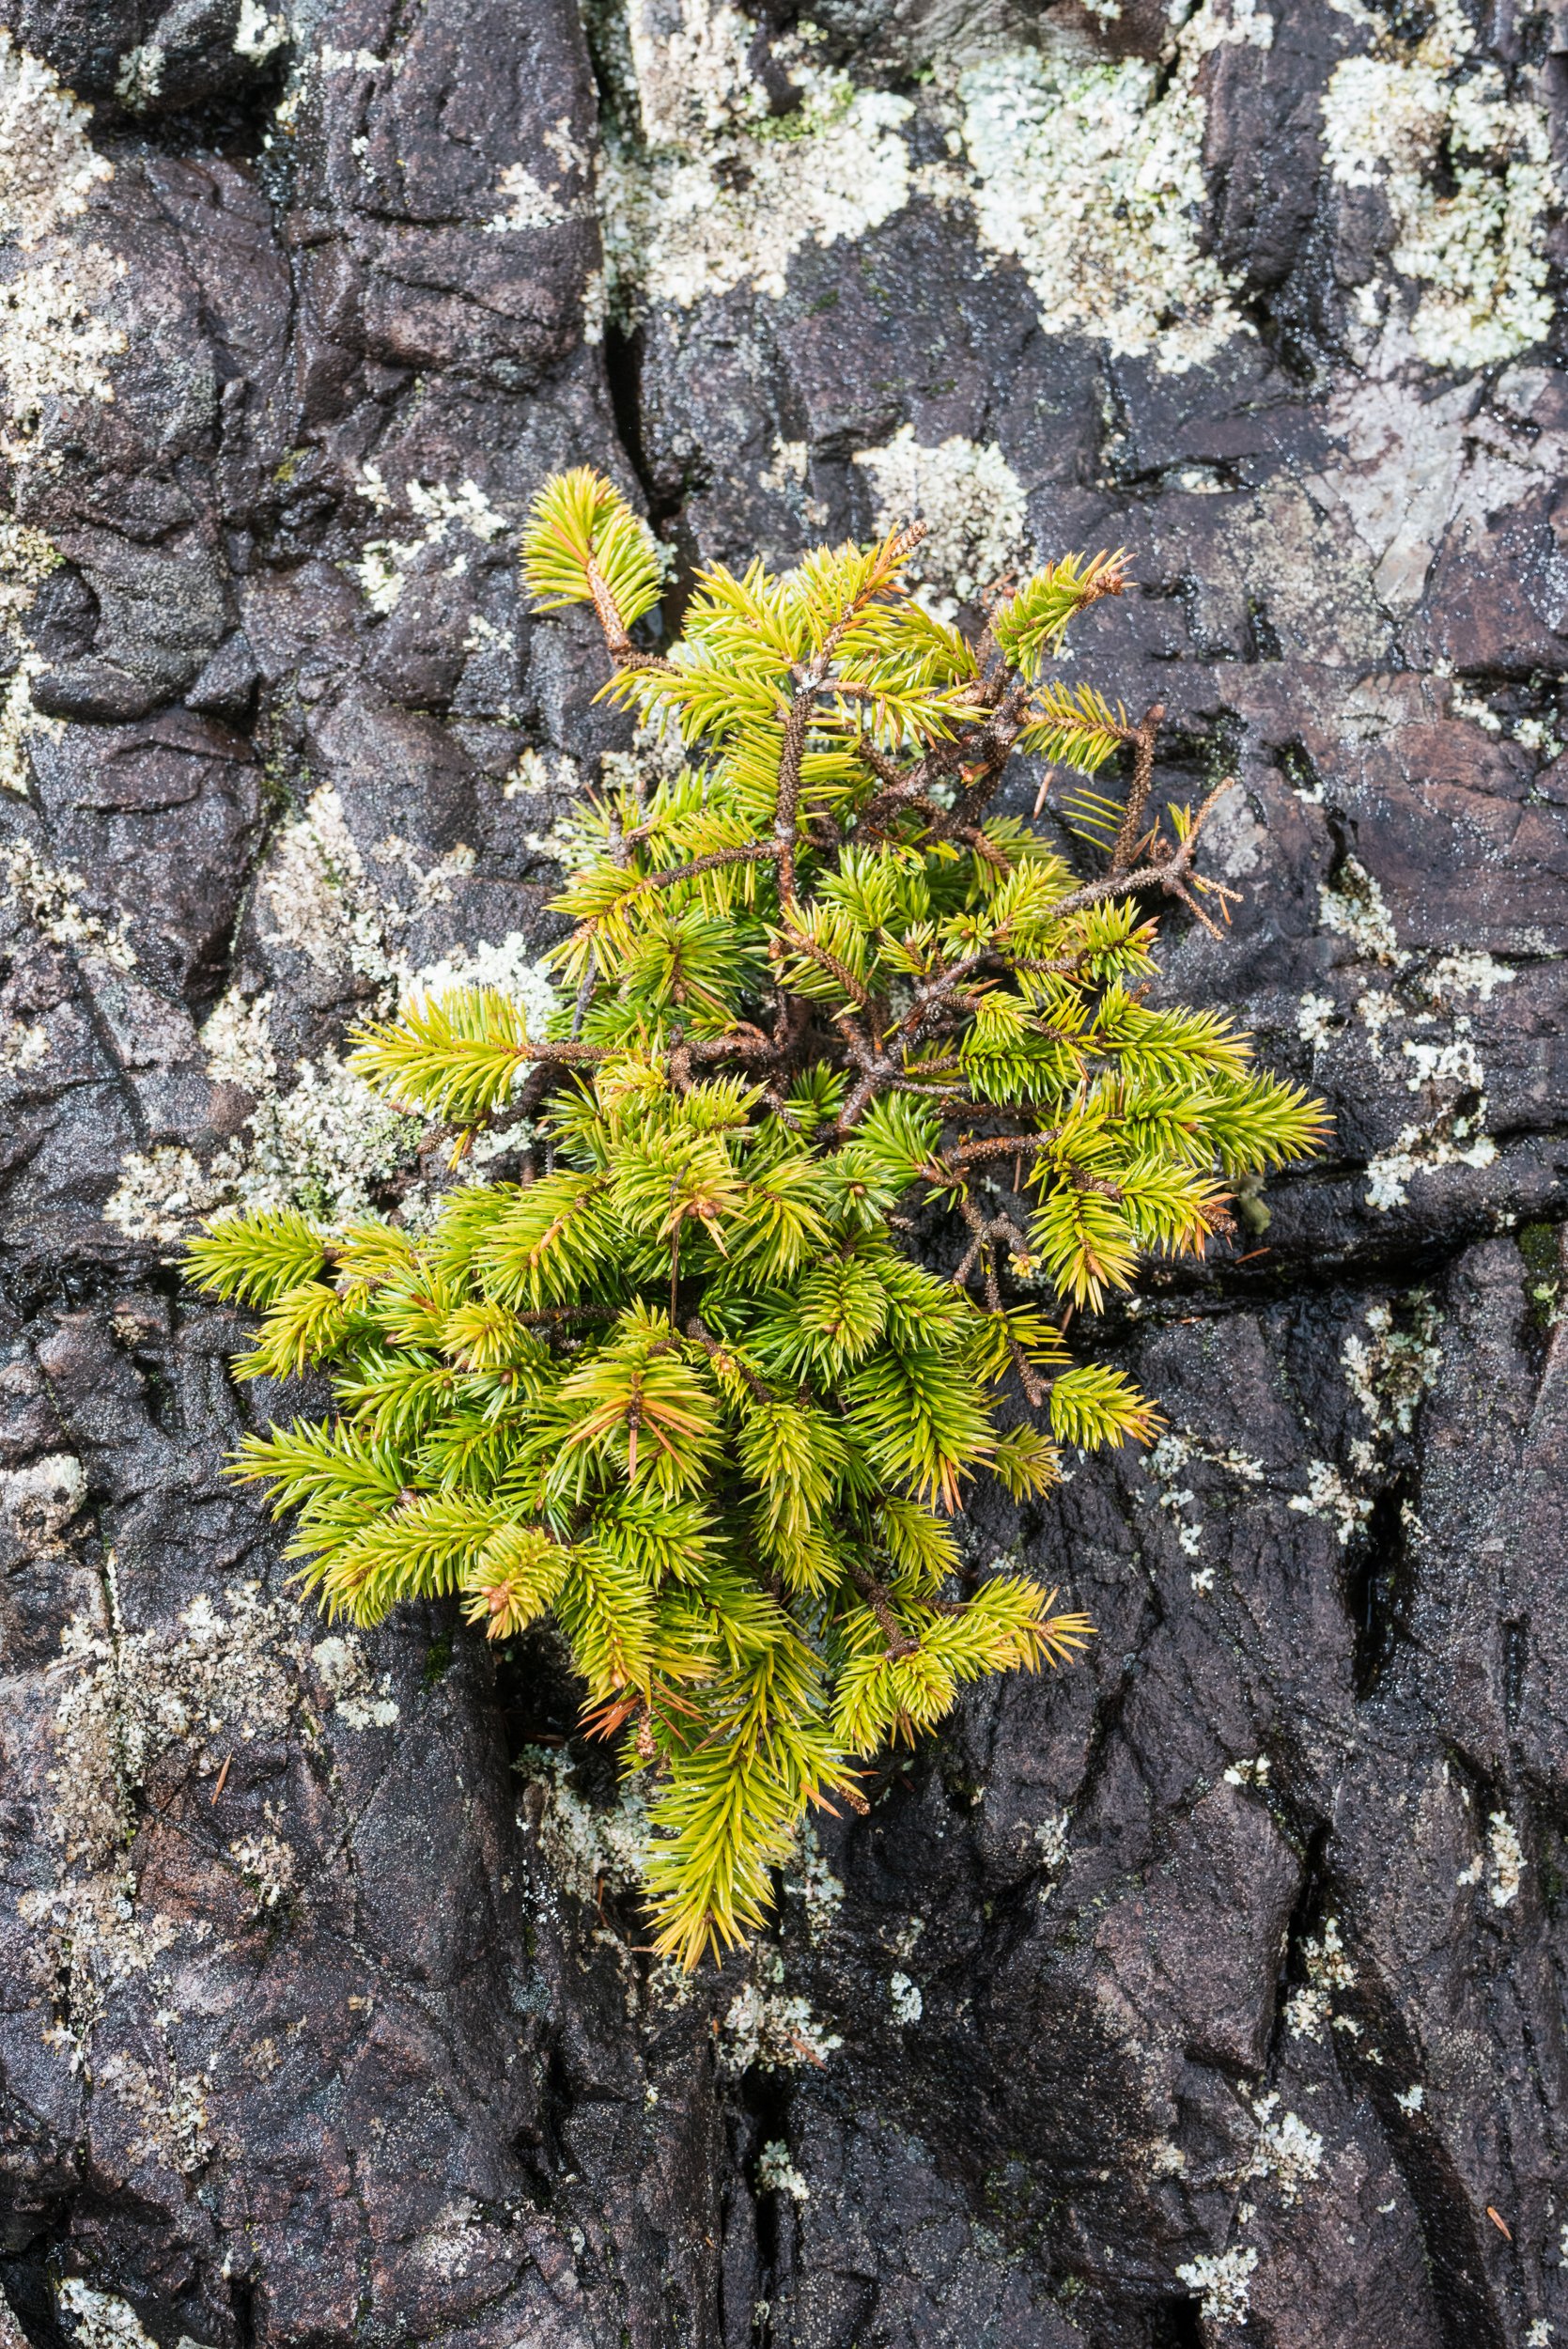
(1223, 2283)
(322, 1141)
(1392, 1369)
(49, 896)
(970, 499)
(814, 1883)
(358, 1699)
(230, 1672)
(39, 1499)
(1308, 2012)
(257, 34)
(100, 2320)
(907, 1999)
(704, 191)
(1355, 908)
(589, 1848)
(1507, 1860)
(1331, 1500)
(1467, 174)
(27, 559)
(55, 341)
(769, 2028)
(777, 2173)
(48, 166)
(139, 76)
(383, 565)
(1167, 1461)
(1091, 172)
(1286, 2150)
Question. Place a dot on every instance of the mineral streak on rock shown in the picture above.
(1202, 1995)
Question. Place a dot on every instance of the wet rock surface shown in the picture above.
(1211, 1992)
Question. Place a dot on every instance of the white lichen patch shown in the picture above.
(48, 166)
(709, 192)
(455, 2241)
(1167, 1462)
(1391, 1370)
(814, 1883)
(1425, 1150)
(39, 1500)
(507, 965)
(55, 343)
(257, 34)
(100, 2320)
(907, 2000)
(1092, 173)
(1307, 2014)
(1410, 2099)
(139, 76)
(1357, 910)
(1468, 176)
(383, 567)
(970, 501)
(1286, 2151)
(49, 897)
(1506, 1860)
(1470, 974)
(327, 1142)
(1223, 2283)
(1315, 1019)
(1253, 1772)
(127, 1698)
(526, 203)
(1051, 1839)
(1327, 1497)
(589, 1850)
(1329, 1968)
(169, 2108)
(777, 2173)
(313, 887)
(769, 2029)
(126, 1701)
(358, 1698)
(267, 1865)
(183, 1696)
(27, 559)
(323, 1147)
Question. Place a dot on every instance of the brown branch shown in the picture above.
(886, 769)
(899, 1641)
(723, 1359)
(1169, 873)
(1130, 830)
(1003, 1146)
(788, 799)
(830, 962)
(752, 853)
(608, 611)
(568, 1313)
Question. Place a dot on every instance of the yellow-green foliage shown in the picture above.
(685, 1386)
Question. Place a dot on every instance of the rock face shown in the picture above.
(1209, 1993)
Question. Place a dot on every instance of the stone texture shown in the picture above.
(1210, 1992)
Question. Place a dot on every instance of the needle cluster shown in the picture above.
(684, 1385)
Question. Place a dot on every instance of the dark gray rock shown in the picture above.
(1210, 1992)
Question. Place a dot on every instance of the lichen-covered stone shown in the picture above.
(1202, 1994)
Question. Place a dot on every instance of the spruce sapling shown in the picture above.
(684, 1386)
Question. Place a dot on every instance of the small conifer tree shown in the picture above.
(685, 1385)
